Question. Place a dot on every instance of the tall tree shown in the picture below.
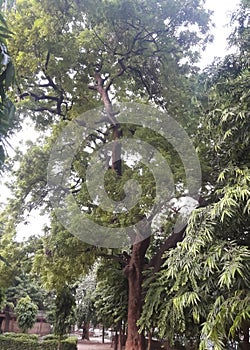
(81, 54)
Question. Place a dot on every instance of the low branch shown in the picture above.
(122, 259)
(47, 60)
(37, 97)
(172, 240)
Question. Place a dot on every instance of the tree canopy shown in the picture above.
(7, 110)
(190, 284)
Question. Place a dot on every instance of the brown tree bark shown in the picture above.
(116, 340)
(87, 331)
(120, 337)
(116, 149)
(149, 342)
(245, 345)
(133, 271)
(1, 322)
(7, 319)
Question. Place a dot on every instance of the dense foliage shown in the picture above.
(196, 282)
(26, 312)
(7, 109)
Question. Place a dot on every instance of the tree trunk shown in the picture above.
(149, 344)
(116, 340)
(245, 345)
(1, 322)
(87, 331)
(133, 271)
(7, 319)
(120, 336)
(103, 335)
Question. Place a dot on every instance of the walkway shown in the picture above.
(90, 345)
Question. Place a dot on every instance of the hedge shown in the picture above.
(24, 342)
(21, 335)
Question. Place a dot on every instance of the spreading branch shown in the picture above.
(172, 240)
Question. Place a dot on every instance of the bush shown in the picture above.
(48, 345)
(14, 343)
(30, 342)
(50, 337)
(69, 343)
(21, 335)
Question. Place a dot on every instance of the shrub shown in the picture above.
(21, 335)
(69, 343)
(26, 312)
(48, 345)
(50, 337)
(14, 343)
(30, 342)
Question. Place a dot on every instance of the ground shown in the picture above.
(91, 345)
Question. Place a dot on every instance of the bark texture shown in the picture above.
(133, 271)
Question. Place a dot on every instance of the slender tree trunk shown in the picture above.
(7, 319)
(245, 345)
(116, 340)
(87, 331)
(149, 340)
(120, 336)
(103, 334)
(1, 321)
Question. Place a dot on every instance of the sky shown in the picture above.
(222, 10)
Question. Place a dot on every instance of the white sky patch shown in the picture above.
(221, 18)
(32, 227)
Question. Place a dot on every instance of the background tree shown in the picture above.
(64, 304)
(18, 280)
(111, 299)
(85, 309)
(26, 312)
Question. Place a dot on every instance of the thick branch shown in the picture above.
(122, 259)
(170, 242)
(99, 86)
(37, 97)
(116, 149)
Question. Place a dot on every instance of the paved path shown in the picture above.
(89, 345)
